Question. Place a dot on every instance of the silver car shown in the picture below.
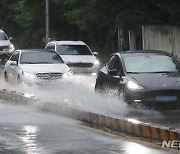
(35, 67)
(6, 47)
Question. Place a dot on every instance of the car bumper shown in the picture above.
(93, 69)
(169, 99)
(5, 54)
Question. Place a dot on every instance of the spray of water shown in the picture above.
(78, 91)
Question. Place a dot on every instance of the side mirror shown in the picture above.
(13, 63)
(113, 72)
(95, 53)
(10, 38)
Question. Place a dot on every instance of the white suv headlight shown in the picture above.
(11, 48)
(67, 74)
(134, 86)
(96, 62)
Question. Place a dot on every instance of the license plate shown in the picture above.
(166, 98)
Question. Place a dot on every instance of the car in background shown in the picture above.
(77, 55)
(149, 78)
(6, 47)
(35, 67)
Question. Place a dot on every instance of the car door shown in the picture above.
(12, 70)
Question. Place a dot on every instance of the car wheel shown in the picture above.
(123, 96)
(5, 77)
(99, 87)
(18, 81)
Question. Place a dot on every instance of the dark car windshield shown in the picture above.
(73, 50)
(2, 36)
(149, 63)
(40, 57)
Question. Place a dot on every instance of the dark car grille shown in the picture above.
(3, 47)
(49, 76)
(80, 64)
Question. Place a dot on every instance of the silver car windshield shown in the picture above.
(33, 57)
(149, 63)
(3, 36)
(73, 50)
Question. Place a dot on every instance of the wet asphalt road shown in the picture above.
(26, 130)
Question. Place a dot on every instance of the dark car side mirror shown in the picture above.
(113, 72)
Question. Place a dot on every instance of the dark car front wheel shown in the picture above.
(99, 87)
(6, 77)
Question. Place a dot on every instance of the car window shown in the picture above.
(33, 57)
(15, 57)
(51, 46)
(114, 63)
(73, 50)
(3, 36)
(139, 63)
(111, 62)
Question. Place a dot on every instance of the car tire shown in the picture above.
(99, 87)
(18, 81)
(123, 96)
(5, 77)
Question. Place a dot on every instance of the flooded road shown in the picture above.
(25, 130)
(78, 91)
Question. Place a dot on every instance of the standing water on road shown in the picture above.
(78, 91)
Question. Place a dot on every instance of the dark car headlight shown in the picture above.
(134, 86)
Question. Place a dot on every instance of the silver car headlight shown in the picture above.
(29, 75)
(67, 74)
(11, 48)
(96, 62)
(134, 86)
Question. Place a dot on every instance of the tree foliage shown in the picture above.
(93, 21)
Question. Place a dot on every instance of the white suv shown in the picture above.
(6, 47)
(77, 55)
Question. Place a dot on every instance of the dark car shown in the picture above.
(151, 78)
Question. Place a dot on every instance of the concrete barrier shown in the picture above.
(129, 126)
(16, 97)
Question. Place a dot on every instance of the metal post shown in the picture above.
(47, 21)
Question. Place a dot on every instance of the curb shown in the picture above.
(138, 129)
(19, 98)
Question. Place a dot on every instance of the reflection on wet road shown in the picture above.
(25, 130)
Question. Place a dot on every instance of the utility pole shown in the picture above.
(47, 21)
